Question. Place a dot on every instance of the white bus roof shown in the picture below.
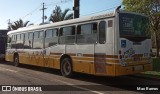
(67, 22)
(61, 23)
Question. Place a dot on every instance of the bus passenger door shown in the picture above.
(100, 49)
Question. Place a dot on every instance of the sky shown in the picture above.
(29, 10)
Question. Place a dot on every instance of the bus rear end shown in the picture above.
(134, 51)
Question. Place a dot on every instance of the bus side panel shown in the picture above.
(9, 55)
(55, 52)
(82, 57)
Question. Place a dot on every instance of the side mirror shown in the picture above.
(9, 40)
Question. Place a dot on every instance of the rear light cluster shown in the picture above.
(151, 53)
(120, 54)
(121, 57)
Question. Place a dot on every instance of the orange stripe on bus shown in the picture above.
(112, 60)
(83, 58)
(56, 53)
(111, 56)
(88, 55)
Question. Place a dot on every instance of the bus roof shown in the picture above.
(62, 23)
(72, 21)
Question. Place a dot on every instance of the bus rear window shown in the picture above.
(133, 25)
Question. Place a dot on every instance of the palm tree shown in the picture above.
(18, 24)
(57, 15)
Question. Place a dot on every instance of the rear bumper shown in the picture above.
(126, 70)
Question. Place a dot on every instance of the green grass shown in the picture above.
(156, 69)
(156, 64)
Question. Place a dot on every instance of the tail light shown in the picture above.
(151, 53)
(120, 54)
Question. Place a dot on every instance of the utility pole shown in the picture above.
(9, 24)
(43, 9)
(76, 8)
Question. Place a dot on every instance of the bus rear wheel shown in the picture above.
(16, 60)
(66, 67)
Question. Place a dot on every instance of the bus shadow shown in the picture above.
(120, 83)
(35, 68)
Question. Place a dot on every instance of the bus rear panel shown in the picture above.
(134, 44)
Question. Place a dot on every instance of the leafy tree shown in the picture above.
(18, 24)
(57, 15)
(151, 8)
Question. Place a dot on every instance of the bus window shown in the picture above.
(9, 39)
(102, 32)
(67, 35)
(18, 36)
(19, 43)
(30, 35)
(38, 40)
(87, 33)
(36, 35)
(51, 37)
(26, 36)
(13, 43)
(94, 28)
(22, 37)
(15, 37)
(26, 41)
(30, 40)
(41, 34)
(49, 33)
(55, 32)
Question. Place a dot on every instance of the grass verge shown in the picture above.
(155, 73)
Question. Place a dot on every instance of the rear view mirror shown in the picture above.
(8, 40)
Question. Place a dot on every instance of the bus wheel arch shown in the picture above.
(66, 65)
(16, 59)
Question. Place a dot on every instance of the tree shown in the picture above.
(57, 15)
(151, 8)
(18, 24)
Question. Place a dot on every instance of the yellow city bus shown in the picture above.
(111, 44)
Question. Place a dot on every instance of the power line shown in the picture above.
(37, 20)
(58, 3)
(37, 8)
(30, 13)
(4, 23)
(100, 11)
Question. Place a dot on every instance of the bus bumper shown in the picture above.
(126, 70)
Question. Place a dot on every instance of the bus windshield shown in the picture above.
(133, 25)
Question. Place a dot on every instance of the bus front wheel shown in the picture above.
(16, 60)
(66, 67)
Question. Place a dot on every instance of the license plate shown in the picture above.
(140, 67)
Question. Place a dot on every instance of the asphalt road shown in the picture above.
(50, 81)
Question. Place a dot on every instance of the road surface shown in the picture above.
(37, 80)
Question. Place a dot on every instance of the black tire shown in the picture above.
(16, 61)
(66, 67)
